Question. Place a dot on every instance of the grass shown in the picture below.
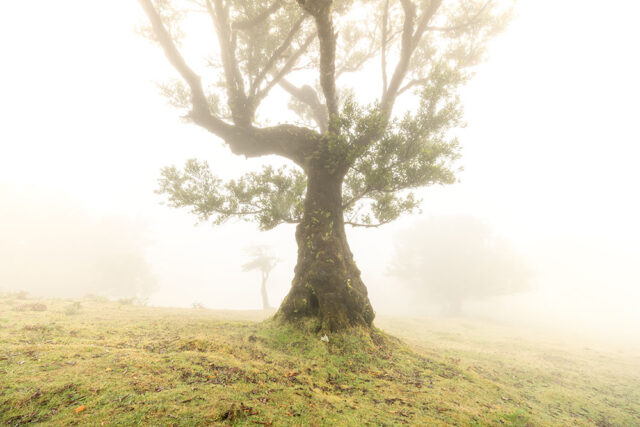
(95, 362)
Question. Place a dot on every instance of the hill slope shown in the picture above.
(102, 363)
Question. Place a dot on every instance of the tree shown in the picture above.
(265, 263)
(457, 258)
(353, 162)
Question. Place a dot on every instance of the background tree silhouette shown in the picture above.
(264, 262)
(455, 259)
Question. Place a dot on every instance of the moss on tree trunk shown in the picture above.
(327, 283)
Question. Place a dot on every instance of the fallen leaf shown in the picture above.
(79, 409)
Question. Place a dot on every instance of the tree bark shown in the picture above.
(327, 283)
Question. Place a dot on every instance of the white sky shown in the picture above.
(550, 150)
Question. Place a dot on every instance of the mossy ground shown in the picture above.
(129, 365)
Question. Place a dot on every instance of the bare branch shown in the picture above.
(410, 40)
(199, 100)
(405, 55)
(321, 11)
(289, 141)
(355, 224)
(383, 48)
(424, 20)
(308, 96)
(286, 69)
(277, 54)
(241, 111)
(411, 84)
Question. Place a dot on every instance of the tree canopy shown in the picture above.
(356, 153)
(454, 259)
(423, 51)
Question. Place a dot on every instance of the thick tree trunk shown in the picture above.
(327, 283)
(263, 289)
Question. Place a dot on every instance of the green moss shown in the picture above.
(159, 366)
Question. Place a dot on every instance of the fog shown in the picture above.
(549, 157)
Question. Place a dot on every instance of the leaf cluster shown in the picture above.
(427, 50)
(269, 197)
(415, 151)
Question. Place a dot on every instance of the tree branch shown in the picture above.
(411, 84)
(307, 95)
(434, 5)
(277, 54)
(410, 40)
(356, 67)
(355, 224)
(464, 25)
(289, 141)
(198, 99)
(355, 198)
(287, 67)
(383, 48)
(241, 111)
(321, 11)
(248, 23)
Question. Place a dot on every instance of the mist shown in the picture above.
(509, 294)
(551, 174)
(52, 247)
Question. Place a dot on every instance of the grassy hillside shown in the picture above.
(95, 362)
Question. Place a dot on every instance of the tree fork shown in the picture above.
(327, 283)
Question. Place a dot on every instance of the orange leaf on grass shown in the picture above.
(79, 409)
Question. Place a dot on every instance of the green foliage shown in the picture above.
(382, 156)
(415, 151)
(270, 197)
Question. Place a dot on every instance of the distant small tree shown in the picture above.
(263, 261)
(457, 258)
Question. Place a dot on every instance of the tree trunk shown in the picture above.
(327, 283)
(263, 289)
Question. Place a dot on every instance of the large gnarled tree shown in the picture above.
(355, 163)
